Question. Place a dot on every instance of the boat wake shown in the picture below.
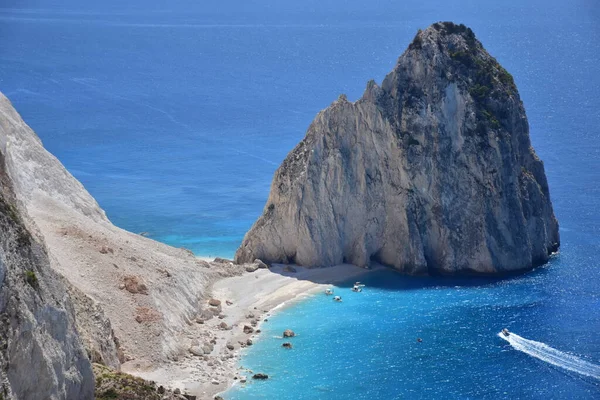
(552, 356)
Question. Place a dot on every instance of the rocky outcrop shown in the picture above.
(95, 330)
(431, 172)
(288, 333)
(41, 355)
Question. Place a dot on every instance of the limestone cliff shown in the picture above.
(41, 355)
(433, 172)
(134, 300)
(34, 172)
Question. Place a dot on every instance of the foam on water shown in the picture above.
(543, 352)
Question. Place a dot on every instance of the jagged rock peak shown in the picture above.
(433, 172)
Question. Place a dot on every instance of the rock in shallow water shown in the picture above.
(433, 172)
(288, 333)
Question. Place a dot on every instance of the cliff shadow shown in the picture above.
(382, 277)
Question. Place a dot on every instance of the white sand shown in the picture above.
(257, 293)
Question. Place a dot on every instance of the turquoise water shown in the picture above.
(366, 347)
(175, 114)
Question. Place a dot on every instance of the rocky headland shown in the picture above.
(430, 173)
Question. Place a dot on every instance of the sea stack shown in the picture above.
(430, 173)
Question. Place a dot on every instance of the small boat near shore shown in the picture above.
(357, 287)
(328, 292)
(337, 298)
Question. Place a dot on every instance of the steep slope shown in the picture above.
(36, 173)
(135, 300)
(433, 172)
(41, 356)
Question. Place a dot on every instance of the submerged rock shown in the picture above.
(260, 376)
(289, 268)
(433, 172)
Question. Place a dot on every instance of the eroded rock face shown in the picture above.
(433, 172)
(41, 355)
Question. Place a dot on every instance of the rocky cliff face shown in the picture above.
(41, 356)
(433, 172)
(134, 300)
(34, 172)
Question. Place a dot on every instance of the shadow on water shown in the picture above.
(386, 278)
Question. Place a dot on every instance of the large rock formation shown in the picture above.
(433, 172)
(41, 355)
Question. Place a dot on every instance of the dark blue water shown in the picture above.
(175, 115)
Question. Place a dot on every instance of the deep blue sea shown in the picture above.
(175, 114)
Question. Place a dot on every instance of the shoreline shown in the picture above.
(273, 292)
(246, 300)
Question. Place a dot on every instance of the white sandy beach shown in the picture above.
(253, 296)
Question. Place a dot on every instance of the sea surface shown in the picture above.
(175, 115)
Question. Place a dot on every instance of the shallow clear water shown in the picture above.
(175, 115)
